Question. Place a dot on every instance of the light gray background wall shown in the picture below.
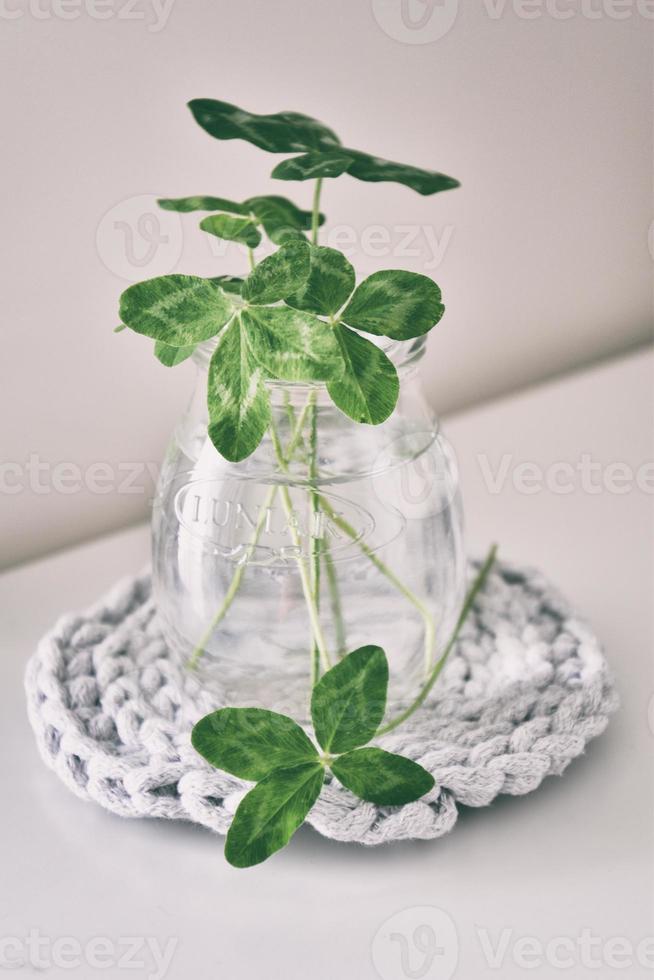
(542, 110)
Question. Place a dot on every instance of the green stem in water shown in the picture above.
(335, 599)
(315, 211)
(290, 414)
(302, 568)
(315, 523)
(258, 528)
(473, 592)
(236, 581)
(321, 544)
(428, 620)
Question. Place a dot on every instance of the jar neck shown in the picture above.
(405, 355)
(346, 449)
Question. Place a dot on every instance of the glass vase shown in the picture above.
(332, 535)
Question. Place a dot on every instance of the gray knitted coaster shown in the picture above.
(525, 690)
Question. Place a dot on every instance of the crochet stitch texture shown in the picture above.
(525, 690)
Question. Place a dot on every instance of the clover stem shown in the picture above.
(234, 585)
(305, 577)
(428, 620)
(315, 523)
(335, 599)
(290, 414)
(473, 591)
(315, 211)
(321, 547)
(251, 261)
(236, 580)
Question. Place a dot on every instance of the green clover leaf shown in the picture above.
(396, 304)
(382, 777)
(321, 152)
(202, 202)
(348, 702)
(251, 742)
(269, 815)
(311, 166)
(334, 161)
(177, 310)
(281, 132)
(369, 387)
(282, 220)
(232, 228)
(229, 284)
(262, 342)
(170, 356)
(239, 408)
(274, 211)
(291, 345)
(328, 285)
(279, 275)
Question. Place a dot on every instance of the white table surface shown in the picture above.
(573, 859)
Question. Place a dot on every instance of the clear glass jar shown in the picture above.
(331, 536)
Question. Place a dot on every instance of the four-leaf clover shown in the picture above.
(347, 707)
(295, 317)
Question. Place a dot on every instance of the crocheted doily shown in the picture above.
(526, 688)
